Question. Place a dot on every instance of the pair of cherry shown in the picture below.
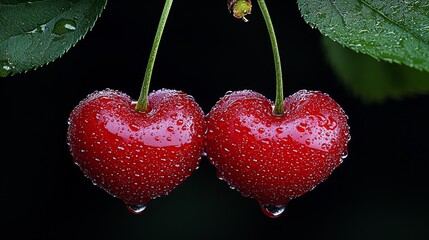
(138, 156)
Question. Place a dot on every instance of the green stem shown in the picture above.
(142, 102)
(279, 105)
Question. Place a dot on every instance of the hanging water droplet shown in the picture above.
(63, 26)
(136, 208)
(5, 68)
(273, 211)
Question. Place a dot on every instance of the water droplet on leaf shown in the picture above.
(63, 26)
(5, 68)
(39, 29)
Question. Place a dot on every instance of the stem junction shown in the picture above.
(279, 105)
(142, 102)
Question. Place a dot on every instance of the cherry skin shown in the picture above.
(275, 158)
(137, 156)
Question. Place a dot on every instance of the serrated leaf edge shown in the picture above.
(67, 49)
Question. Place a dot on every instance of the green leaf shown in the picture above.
(35, 33)
(374, 81)
(394, 31)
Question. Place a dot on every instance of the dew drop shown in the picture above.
(134, 127)
(63, 26)
(300, 129)
(5, 68)
(170, 128)
(39, 29)
(273, 211)
(136, 208)
(331, 124)
(219, 175)
(308, 142)
(179, 106)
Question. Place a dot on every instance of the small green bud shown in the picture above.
(240, 8)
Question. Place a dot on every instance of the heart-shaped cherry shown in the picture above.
(137, 156)
(275, 158)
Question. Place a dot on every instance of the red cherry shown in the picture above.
(137, 156)
(273, 158)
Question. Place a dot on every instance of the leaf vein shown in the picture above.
(392, 21)
(338, 11)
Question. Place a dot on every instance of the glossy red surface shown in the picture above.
(137, 156)
(271, 158)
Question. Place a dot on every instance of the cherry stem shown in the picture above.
(142, 102)
(279, 105)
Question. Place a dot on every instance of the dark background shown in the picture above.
(379, 192)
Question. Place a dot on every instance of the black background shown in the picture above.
(379, 192)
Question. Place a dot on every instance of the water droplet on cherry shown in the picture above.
(170, 128)
(136, 208)
(273, 211)
(134, 127)
(300, 129)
